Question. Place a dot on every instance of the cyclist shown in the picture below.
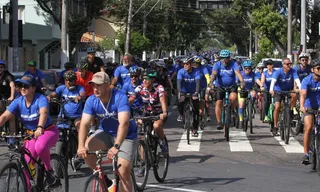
(37, 74)
(188, 81)
(259, 67)
(266, 78)
(283, 80)
(95, 63)
(303, 69)
(68, 66)
(224, 74)
(129, 88)
(238, 60)
(309, 99)
(116, 132)
(204, 62)
(122, 73)
(162, 73)
(84, 76)
(250, 78)
(32, 109)
(204, 81)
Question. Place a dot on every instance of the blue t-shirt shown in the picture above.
(203, 71)
(258, 75)
(29, 116)
(72, 109)
(302, 73)
(285, 81)
(171, 70)
(123, 75)
(313, 92)
(209, 68)
(188, 83)
(109, 119)
(128, 89)
(38, 75)
(226, 76)
(268, 79)
(250, 79)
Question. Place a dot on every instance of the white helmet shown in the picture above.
(303, 55)
(260, 65)
(204, 62)
(160, 63)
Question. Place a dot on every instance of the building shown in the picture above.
(213, 4)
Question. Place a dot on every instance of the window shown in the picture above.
(6, 14)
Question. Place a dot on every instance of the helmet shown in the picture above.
(224, 53)
(260, 65)
(68, 65)
(188, 60)
(247, 63)
(32, 63)
(315, 62)
(160, 63)
(70, 75)
(91, 50)
(2, 62)
(197, 59)
(303, 55)
(204, 62)
(83, 64)
(135, 71)
(269, 61)
(150, 73)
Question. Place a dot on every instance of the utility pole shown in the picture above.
(64, 39)
(250, 45)
(128, 35)
(303, 25)
(289, 35)
(144, 55)
(15, 36)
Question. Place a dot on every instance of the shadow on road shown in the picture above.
(199, 158)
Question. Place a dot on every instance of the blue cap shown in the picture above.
(27, 79)
(2, 62)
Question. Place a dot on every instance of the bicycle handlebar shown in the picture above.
(154, 118)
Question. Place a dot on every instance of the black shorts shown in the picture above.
(278, 97)
(221, 93)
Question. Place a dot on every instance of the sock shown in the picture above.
(241, 114)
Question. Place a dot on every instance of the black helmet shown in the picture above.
(69, 65)
(315, 62)
(83, 64)
(70, 75)
(188, 60)
(150, 73)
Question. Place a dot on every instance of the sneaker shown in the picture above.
(52, 180)
(140, 172)
(219, 126)
(266, 119)
(108, 181)
(208, 119)
(179, 118)
(305, 160)
(275, 131)
(195, 133)
(163, 146)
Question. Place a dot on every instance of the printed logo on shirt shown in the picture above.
(107, 114)
(285, 79)
(31, 117)
(314, 89)
(189, 80)
(125, 75)
(268, 79)
(225, 71)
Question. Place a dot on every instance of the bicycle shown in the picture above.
(314, 145)
(66, 147)
(96, 182)
(28, 179)
(148, 153)
(248, 111)
(188, 113)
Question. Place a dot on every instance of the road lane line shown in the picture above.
(194, 142)
(293, 147)
(239, 141)
(173, 188)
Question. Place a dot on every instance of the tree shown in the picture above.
(105, 45)
(138, 42)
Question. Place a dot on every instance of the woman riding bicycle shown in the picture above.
(32, 109)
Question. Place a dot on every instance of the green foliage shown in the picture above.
(139, 43)
(106, 44)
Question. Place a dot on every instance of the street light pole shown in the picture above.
(15, 36)
(128, 35)
(303, 25)
(64, 38)
(289, 35)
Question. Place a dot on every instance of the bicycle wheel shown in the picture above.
(227, 121)
(60, 171)
(95, 184)
(11, 179)
(250, 115)
(141, 165)
(134, 186)
(245, 118)
(312, 151)
(281, 125)
(317, 154)
(160, 169)
(62, 150)
(188, 121)
(287, 124)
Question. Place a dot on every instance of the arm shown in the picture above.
(5, 117)
(298, 83)
(12, 89)
(213, 76)
(44, 82)
(237, 72)
(102, 68)
(85, 123)
(207, 76)
(263, 80)
(179, 85)
(197, 85)
(123, 118)
(42, 121)
(303, 95)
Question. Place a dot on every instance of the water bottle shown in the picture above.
(33, 170)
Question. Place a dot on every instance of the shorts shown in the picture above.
(220, 93)
(278, 97)
(127, 147)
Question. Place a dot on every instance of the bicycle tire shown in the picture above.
(187, 121)
(281, 123)
(245, 118)
(312, 152)
(317, 148)
(141, 185)
(60, 171)
(250, 114)
(287, 124)
(161, 178)
(227, 121)
(13, 165)
(94, 180)
(62, 150)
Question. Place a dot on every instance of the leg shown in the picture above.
(266, 104)
(195, 114)
(30, 145)
(308, 122)
(220, 94)
(158, 128)
(233, 98)
(207, 105)
(276, 113)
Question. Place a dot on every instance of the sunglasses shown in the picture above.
(287, 63)
(224, 58)
(259, 68)
(146, 78)
(134, 76)
(22, 85)
(247, 68)
(304, 59)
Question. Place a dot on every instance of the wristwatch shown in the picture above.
(117, 146)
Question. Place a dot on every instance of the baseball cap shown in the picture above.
(100, 78)
(32, 63)
(2, 62)
(27, 79)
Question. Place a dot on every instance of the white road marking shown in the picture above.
(173, 188)
(239, 141)
(194, 142)
(293, 147)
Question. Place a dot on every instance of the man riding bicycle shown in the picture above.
(225, 72)
(283, 80)
(116, 132)
(309, 99)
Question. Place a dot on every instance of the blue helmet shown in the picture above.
(2, 62)
(247, 63)
(197, 59)
(224, 53)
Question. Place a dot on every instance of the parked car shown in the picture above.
(277, 63)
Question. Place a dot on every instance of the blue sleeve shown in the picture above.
(197, 75)
(205, 71)
(117, 72)
(236, 66)
(88, 106)
(81, 89)
(41, 75)
(276, 74)
(124, 88)
(179, 76)
(13, 107)
(295, 75)
(123, 105)
(304, 84)
(59, 90)
(215, 67)
(43, 102)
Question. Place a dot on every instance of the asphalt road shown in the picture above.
(248, 162)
